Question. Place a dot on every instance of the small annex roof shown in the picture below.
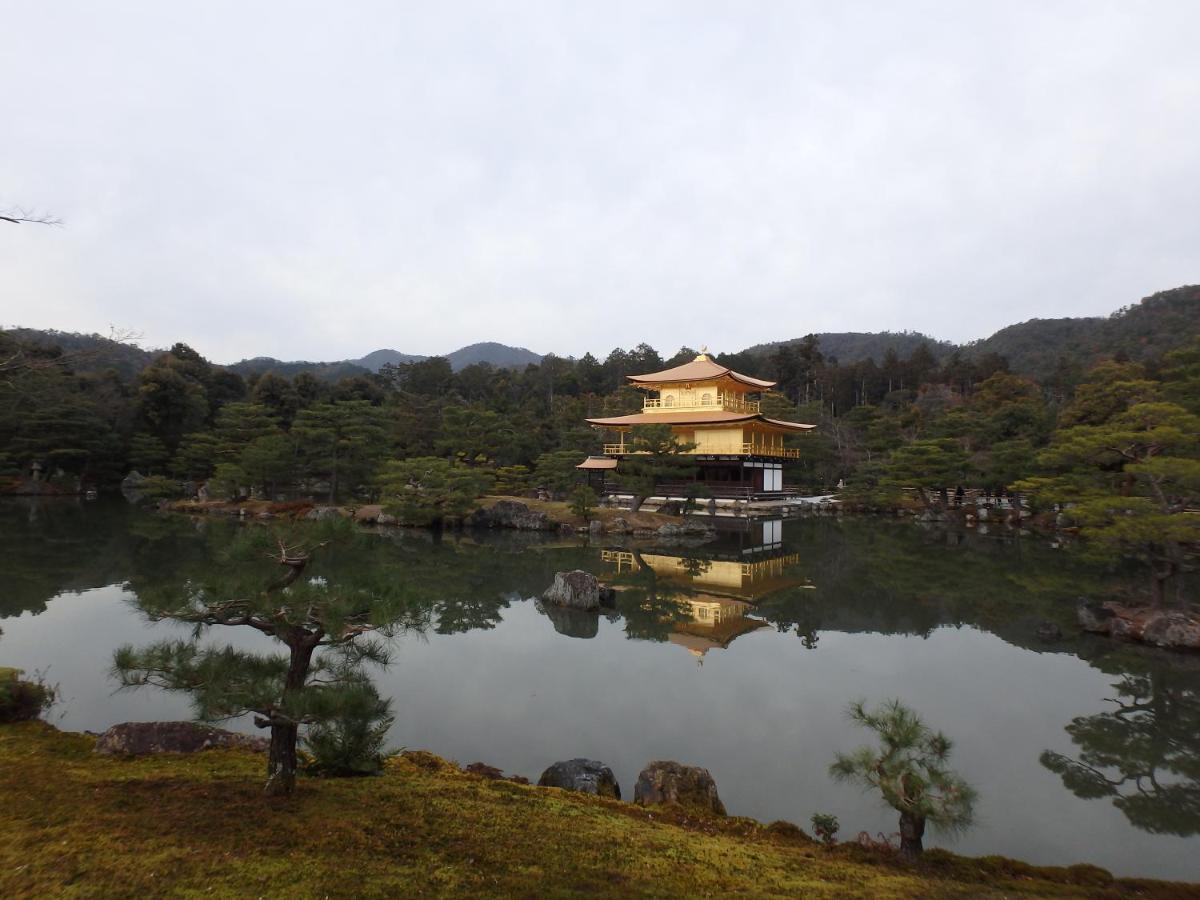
(597, 462)
(719, 417)
(702, 368)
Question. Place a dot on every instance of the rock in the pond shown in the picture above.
(576, 590)
(669, 782)
(618, 525)
(323, 513)
(511, 514)
(141, 738)
(587, 775)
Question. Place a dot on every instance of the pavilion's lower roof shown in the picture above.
(719, 417)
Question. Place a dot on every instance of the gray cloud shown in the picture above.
(301, 180)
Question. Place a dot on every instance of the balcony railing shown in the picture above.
(766, 450)
(732, 450)
(722, 402)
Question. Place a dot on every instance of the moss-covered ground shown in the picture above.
(77, 824)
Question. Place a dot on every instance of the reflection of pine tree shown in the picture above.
(1144, 753)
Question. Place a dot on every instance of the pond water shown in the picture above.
(739, 655)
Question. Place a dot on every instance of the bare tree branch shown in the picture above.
(18, 214)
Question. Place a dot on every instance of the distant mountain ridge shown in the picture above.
(1155, 325)
(502, 356)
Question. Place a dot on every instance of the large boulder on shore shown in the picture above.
(589, 776)
(574, 590)
(669, 782)
(141, 738)
(1170, 628)
(511, 514)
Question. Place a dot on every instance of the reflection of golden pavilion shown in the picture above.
(727, 577)
(726, 589)
(715, 622)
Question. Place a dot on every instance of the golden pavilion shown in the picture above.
(737, 451)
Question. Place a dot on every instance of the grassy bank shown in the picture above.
(75, 823)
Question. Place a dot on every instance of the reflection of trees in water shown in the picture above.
(1144, 752)
(51, 546)
(893, 578)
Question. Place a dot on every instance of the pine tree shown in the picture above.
(329, 620)
(909, 769)
(343, 440)
(429, 490)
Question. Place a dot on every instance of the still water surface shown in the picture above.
(739, 655)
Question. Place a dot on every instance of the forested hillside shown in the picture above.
(88, 352)
(322, 371)
(859, 346)
(1160, 322)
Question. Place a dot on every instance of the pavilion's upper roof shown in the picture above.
(702, 368)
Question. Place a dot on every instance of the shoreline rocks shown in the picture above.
(589, 776)
(143, 738)
(1173, 629)
(511, 514)
(665, 781)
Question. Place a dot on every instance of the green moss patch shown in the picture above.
(76, 823)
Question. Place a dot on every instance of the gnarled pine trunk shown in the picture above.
(912, 828)
(281, 760)
(281, 757)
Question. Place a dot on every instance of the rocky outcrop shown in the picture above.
(511, 514)
(574, 590)
(323, 513)
(589, 776)
(1171, 628)
(669, 782)
(141, 738)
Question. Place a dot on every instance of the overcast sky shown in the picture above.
(318, 180)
